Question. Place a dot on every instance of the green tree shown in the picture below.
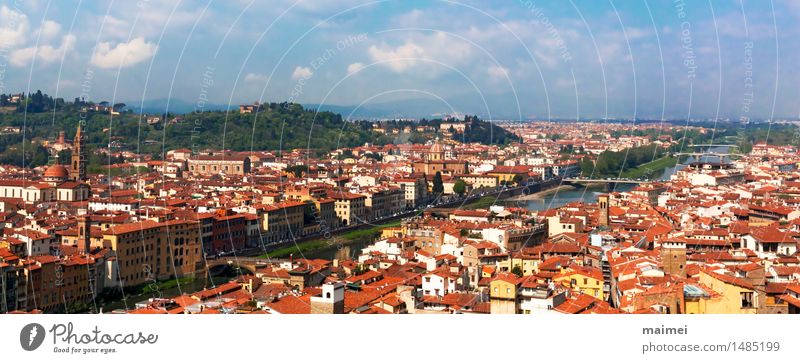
(438, 184)
(460, 187)
(516, 270)
(587, 166)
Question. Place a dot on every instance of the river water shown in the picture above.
(589, 194)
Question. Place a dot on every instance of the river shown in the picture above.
(186, 288)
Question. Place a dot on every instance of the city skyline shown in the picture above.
(520, 60)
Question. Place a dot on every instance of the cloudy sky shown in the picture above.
(510, 59)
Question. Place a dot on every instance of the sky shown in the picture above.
(524, 59)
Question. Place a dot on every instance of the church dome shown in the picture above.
(437, 147)
(56, 172)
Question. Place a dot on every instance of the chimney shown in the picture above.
(85, 233)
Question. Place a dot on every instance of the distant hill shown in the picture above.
(173, 105)
(412, 108)
(408, 108)
(278, 126)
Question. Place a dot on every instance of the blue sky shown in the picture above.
(508, 59)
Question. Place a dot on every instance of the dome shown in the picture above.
(437, 147)
(56, 171)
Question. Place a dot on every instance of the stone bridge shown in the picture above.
(248, 263)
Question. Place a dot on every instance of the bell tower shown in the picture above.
(602, 203)
(78, 162)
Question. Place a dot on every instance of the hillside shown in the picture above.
(278, 126)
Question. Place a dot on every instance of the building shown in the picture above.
(733, 295)
(30, 192)
(673, 256)
(503, 294)
(445, 167)
(228, 232)
(602, 203)
(415, 190)
(56, 284)
(149, 251)
(538, 298)
(284, 221)
(330, 300)
(384, 202)
(581, 279)
(227, 164)
(255, 107)
(478, 181)
(350, 208)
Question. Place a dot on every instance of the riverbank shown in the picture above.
(647, 170)
(541, 194)
(483, 203)
(321, 244)
(113, 299)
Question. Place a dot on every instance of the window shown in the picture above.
(747, 299)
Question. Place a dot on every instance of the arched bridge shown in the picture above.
(610, 184)
(712, 145)
(248, 263)
(608, 181)
(708, 154)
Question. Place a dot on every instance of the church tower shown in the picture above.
(602, 203)
(78, 165)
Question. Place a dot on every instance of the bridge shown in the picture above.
(607, 181)
(708, 154)
(248, 263)
(712, 145)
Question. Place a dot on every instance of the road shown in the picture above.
(256, 251)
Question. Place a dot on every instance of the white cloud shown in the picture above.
(496, 72)
(397, 59)
(255, 77)
(302, 72)
(355, 67)
(13, 27)
(123, 54)
(435, 52)
(50, 29)
(44, 53)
